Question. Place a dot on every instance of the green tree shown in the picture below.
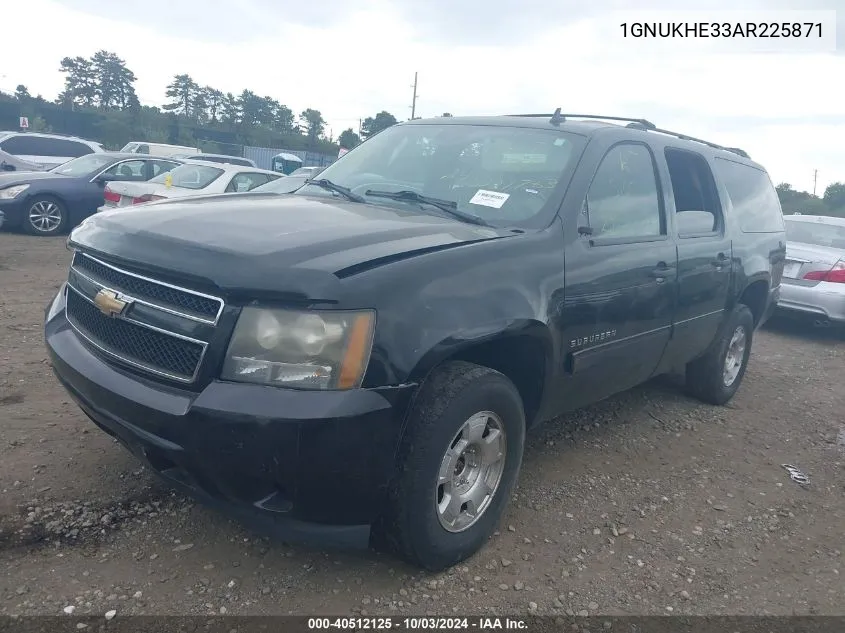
(348, 139)
(834, 196)
(283, 119)
(38, 124)
(793, 201)
(80, 82)
(213, 99)
(230, 109)
(113, 81)
(21, 93)
(374, 125)
(313, 123)
(256, 110)
(182, 92)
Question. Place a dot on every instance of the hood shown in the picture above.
(11, 178)
(270, 243)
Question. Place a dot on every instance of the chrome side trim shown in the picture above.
(139, 323)
(196, 293)
(128, 361)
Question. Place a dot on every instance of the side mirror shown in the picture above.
(9, 167)
(103, 179)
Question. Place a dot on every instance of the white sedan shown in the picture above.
(191, 179)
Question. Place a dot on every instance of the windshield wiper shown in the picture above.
(449, 206)
(330, 186)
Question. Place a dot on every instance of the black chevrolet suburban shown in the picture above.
(357, 363)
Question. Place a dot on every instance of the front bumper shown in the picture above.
(824, 300)
(310, 467)
(12, 211)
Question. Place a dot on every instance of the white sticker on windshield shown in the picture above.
(489, 198)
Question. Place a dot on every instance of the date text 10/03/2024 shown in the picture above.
(668, 30)
(418, 623)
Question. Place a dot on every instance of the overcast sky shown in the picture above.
(352, 59)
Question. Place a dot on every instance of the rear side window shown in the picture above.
(753, 197)
(247, 182)
(20, 145)
(40, 146)
(162, 166)
(698, 212)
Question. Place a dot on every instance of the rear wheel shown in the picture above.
(458, 463)
(45, 215)
(715, 377)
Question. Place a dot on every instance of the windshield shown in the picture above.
(83, 165)
(503, 175)
(190, 176)
(815, 233)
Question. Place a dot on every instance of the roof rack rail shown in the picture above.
(559, 117)
(685, 137)
(637, 124)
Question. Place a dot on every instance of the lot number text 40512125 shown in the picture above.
(417, 623)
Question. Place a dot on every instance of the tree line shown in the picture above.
(831, 203)
(99, 102)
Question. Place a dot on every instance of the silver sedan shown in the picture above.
(813, 282)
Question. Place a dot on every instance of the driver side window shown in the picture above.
(623, 200)
(127, 170)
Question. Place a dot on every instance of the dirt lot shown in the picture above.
(647, 503)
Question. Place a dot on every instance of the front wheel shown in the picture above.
(715, 377)
(458, 463)
(45, 216)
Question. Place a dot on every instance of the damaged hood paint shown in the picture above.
(270, 243)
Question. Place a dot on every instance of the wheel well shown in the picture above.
(755, 297)
(522, 359)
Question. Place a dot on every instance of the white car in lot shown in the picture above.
(813, 283)
(191, 179)
(46, 150)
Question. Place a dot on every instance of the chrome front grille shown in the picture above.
(201, 306)
(157, 327)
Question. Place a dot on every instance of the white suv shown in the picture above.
(46, 150)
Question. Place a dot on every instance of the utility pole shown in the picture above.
(414, 99)
(360, 127)
(815, 180)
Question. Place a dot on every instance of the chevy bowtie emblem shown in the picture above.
(109, 303)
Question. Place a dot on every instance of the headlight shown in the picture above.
(300, 349)
(12, 192)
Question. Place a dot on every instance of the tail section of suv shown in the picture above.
(46, 150)
(359, 362)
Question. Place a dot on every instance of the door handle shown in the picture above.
(720, 261)
(660, 272)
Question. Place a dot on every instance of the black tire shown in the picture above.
(450, 396)
(705, 376)
(50, 206)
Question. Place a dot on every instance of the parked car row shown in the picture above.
(46, 150)
(51, 202)
(190, 179)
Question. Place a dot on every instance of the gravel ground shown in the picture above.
(647, 503)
